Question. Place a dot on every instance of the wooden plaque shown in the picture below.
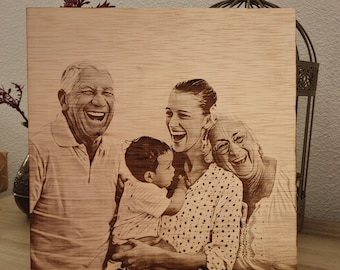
(246, 56)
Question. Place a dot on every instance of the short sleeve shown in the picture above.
(151, 199)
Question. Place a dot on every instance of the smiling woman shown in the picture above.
(269, 206)
(188, 113)
(205, 232)
(236, 148)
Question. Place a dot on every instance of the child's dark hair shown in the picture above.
(142, 154)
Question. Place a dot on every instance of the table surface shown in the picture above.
(318, 243)
(14, 236)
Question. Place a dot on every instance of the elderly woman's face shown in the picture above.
(233, 148)
(185, 120)
(89, 106)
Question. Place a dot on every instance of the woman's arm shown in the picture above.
(143, 256)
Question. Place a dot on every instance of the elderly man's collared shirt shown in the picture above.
(71, 201)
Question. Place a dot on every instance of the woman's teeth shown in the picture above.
(177, 136)
(239, 161)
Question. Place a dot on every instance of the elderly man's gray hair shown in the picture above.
(71, 74)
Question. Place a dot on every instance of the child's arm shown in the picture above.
(177, 199)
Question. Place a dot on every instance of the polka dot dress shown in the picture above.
(209, 219)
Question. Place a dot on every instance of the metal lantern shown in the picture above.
(306, 81)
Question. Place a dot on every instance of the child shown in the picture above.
(144, 199)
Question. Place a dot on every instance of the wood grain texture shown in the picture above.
(247, 56)
(316, 251)
(14, 236)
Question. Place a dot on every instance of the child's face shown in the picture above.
(165, 171)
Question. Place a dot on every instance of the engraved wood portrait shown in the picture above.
(162, 138)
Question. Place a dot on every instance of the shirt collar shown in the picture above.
(62, 133)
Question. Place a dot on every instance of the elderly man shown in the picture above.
(73, 175)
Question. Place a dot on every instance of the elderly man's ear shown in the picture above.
(62, 99)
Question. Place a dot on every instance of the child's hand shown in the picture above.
(121, 181)
(120, 187)
(181, 182)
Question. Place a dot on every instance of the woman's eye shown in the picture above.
(239, 139)
(183, 116)
(168, 113)
(108, 94)
(222, 148)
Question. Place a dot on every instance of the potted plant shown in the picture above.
(21, 181)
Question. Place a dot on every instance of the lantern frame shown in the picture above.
(306, 83)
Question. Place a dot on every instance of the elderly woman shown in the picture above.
(268, 234)
(205, 232)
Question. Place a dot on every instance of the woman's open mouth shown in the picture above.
(99, 116)
(178, 136)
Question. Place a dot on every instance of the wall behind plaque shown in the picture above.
(319, 18)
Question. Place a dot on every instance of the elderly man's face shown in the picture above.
(90, 104)
(233, 148)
